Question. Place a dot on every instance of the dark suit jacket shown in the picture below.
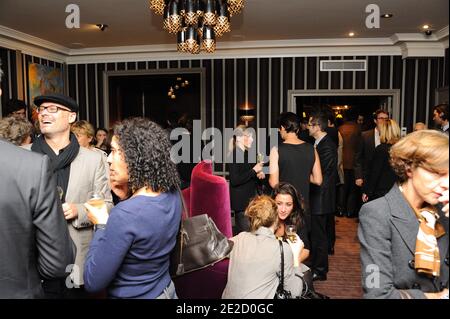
(323, 197)
(351, 136)
(387, 232)
(34, 239)
(243, 181)
(364, 154)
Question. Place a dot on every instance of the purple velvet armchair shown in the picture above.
(208, 194)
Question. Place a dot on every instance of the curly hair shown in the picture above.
(15, 130)
(426, 148)
(146, 150)
(297, 216)
(262, 212)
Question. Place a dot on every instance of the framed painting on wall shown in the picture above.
(42, 80)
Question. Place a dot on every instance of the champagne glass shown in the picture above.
(291, 232)
(96, 199)
(260, 158)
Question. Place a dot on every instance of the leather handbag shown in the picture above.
(281, 293)
(199, 244)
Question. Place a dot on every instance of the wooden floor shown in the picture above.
(343, 279)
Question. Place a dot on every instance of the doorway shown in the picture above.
(164, 96)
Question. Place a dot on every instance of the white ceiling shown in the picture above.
(132, 23)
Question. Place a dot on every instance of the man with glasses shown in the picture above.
(369, 141)
(79, 171)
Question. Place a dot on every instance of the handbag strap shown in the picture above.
(184, 212)
(282, 264)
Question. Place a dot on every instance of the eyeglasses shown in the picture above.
(51, 109)
(383, 118)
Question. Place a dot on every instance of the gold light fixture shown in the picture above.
(197, 23)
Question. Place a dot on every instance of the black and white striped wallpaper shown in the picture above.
(262, 83)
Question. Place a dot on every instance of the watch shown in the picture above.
(99, 226)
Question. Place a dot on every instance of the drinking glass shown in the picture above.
(291, 232)
(96, 199)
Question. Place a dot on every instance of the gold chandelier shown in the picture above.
(197, 23)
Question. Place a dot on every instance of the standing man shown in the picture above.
(34, 240)
(16, 108)
(79, 171)
(440, 117)
(323, 197)
(369, 141)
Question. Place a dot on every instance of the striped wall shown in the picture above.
(263, 83)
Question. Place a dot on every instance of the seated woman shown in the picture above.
(404, 239)
(129, 254)
(255, 260)
(290, 212)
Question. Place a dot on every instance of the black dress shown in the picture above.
(295, 163)
(381, 176)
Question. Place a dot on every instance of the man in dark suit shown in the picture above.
(440, 117)
(323, 197)
(34, 240)
(369, 141)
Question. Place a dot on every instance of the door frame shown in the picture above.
(181, 71)
(395, 94)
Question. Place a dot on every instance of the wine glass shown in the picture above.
(291, 232)
(260, 158)
(96, 199)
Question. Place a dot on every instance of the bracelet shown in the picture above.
(99, 226)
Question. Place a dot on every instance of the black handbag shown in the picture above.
(281, 293)
(199, 244)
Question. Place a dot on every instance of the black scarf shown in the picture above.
(60, 163)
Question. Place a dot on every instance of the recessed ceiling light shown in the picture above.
(425, 27)
(351, 34)
(387, 15)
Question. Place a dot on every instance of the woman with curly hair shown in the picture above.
(404, 234)
(129, 254)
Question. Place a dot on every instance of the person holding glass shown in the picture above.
(130, 252)
(255, 261)
(244, 174)
(403, 234)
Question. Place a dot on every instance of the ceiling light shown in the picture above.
(197, 23)
(351, 34)
(387, 15)
(102, 26)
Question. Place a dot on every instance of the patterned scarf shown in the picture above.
(427, 257)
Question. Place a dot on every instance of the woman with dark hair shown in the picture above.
(129, 254)
(244, 175)
(101, 140)
(294, 161)
(255, 261)
(290, 212)
(404, 234)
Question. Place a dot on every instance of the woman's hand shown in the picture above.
(258, 168)
(297, 247)
(97, 215)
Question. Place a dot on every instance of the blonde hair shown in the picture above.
(83, 127)
(15, 130)
(238, 132)
(262, 212)
(389, 132)
(426, 148)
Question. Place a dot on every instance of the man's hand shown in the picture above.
(359, 182)
(70, 211)
(364, 197)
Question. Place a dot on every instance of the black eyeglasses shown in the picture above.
(51, 109)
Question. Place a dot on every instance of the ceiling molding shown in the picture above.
(405, 44)
(28, 44)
